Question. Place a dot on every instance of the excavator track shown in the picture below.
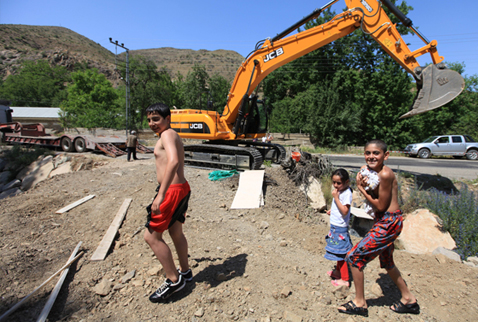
(270, 151)
(222, 156)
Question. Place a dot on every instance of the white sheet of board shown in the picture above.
(249, 192)
(358, 212)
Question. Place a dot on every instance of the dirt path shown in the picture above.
(249, 265)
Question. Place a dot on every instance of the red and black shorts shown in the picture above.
(172, 209)
(378, 242)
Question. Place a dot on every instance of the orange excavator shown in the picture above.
(229, 137)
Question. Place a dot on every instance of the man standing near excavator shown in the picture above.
(131, 143)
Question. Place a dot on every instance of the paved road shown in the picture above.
(450, 168)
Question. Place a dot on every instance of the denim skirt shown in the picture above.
(338, 243)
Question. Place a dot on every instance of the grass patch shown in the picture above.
(336, 150)
(473, 182)
(356, 150)
(326, 184)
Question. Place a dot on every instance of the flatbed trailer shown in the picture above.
(34, 134)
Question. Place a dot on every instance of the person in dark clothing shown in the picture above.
(131, 143)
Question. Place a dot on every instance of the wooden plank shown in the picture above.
(249, 192)
(16, 306)
(46, 310)
(75, 204)
(107, 240)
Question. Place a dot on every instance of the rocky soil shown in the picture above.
(261, 264)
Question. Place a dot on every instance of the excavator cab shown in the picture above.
(256, 117)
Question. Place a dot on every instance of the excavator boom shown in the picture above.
(436, 84)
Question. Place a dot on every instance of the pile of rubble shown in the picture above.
(43, 168)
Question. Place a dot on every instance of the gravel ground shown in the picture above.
(261, 264)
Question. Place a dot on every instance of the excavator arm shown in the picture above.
(436, 85)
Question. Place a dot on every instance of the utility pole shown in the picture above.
(127, 79)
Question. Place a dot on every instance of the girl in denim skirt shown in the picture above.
(338, 238)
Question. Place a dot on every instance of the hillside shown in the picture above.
(222, 62)
(58, 45)
(62, 46)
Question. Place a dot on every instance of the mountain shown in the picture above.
(62, 46)
(58, 45)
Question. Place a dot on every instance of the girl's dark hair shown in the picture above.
(342, 174)
(160, 108)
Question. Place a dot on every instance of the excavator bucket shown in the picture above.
(436, 87)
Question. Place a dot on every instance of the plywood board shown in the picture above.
(358, 212)
(249, 192)
(75, 204)
(108, 238)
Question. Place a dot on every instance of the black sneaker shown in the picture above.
(167, 289)
(187, 275)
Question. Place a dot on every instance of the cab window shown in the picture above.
(443, 139)
(456, 139)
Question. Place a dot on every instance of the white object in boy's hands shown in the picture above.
(372, 183)
(372, 178)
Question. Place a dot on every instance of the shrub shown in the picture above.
(459, 213)
(457, 210)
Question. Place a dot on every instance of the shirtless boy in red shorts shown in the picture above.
(379, 240)
(167, 212)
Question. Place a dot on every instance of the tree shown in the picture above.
(36, 84)
(467, 104)
(219, 89)
(326, 112)
(195, 89)
(148, 85)
(91, 102)
(358, 76)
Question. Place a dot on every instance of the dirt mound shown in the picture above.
(261, 264)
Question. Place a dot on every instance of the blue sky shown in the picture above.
(231, 25)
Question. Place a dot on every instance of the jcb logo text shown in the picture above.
(195, 126)
(274, 54)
